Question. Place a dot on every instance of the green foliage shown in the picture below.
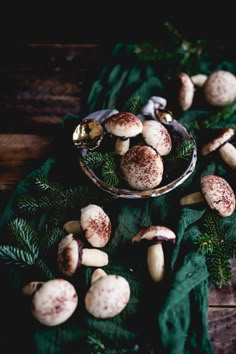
(133, 105)
(217, 249)
(182, 151)
(17, 256)
(218, 117)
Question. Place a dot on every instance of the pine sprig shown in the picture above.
(42, 183)
(93, 159)
(182, 151)
(218, 117)
(17, 256)
(217, 249)
(133, 105)
(25, 235)
(109, 173)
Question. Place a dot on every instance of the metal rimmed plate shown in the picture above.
(174, 177)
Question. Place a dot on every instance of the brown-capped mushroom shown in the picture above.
(220, 88)
(123, 125)
(186, 91)
(142, 167)
(53, 301)
(157, 136)
(220, 141)
(71, 255)
(72, 227)
(217, 192)
(96, 225)
(107, 296)
(155, 235)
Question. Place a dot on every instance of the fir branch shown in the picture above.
(218, 117)
(204, 243)
(133, 105)
(44, 268)
(27, 204)
(50, 238)
(42, 183)
(24, 234)
(182, 151)
(109, 174)
(17, 256)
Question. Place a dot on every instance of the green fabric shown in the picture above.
(172, 315)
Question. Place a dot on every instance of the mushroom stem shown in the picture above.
(228, 155)
(192, 198)
(30, 288)
(121, 145)
(97, 274)
(155, 262)
(93, 257)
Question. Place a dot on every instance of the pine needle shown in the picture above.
(182, 151)
(25, 235)
(17, 256)
(133, 105)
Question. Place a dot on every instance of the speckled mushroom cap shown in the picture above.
(142, 167)
(107, 296)
(124, 125)
(54, 302)
(218, 194)
(220, 137)
(156, 233)
(186, 91)
(69, 255)
(157, 136)
(96, 225)
(220, 88)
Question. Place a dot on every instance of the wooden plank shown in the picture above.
(226, 296)
(221, 329)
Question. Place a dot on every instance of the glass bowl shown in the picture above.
(175, 172)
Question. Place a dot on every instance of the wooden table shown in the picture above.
(39, 84)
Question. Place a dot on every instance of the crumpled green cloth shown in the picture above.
(170, 316)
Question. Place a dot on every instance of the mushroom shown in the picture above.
(123, 125)
(96, 225)
(199, 79)
(142, 167)
(217, 192)
(107, 296)
(220, 88)
(72, 227)
(154, 236)
(53, 301)
(71, 255)
(185, 91)
(157, 136)
(220, 142)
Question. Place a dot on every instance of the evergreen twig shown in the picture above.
(182, 151)
(133, 105)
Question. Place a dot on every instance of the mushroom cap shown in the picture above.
(186, 91)
(142, 167)
(69, 255)
(54, 302)
(96, 225)
(218, 194)
(157, 136)
(220, 137)
(124, 125)
(155, 233)
(220, 88)
(107, 296)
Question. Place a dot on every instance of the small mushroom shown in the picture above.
(142, 167)
(123, 125)
(217, 192)
(154, 236)
(53, 301)
(220, 88)
(96, 225)
(157, 136)
(220, 141)
(107, 296)
(199, 79)
(72, 227)
(186, 91)
(71, 255)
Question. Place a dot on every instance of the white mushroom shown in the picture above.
(96, 225)
(186, 91)
(220, 141)
(71, 255)
(157, 136)
(107, 296)
(199, 79)
(53, 301)
(220, 88)
(123, 125)
(155, 235)
(217, 192)
(142, 167)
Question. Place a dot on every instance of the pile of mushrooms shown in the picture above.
(141, 164)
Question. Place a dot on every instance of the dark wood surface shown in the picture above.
(39, 84)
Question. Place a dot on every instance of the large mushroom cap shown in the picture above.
(157, 136)
(142, 167)
(96, 225)
(220, 88)
(218, 194)
(54, 302)
(216, 138)
(107, 296)
(157, 233)
(69, 255)
(124, 125)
